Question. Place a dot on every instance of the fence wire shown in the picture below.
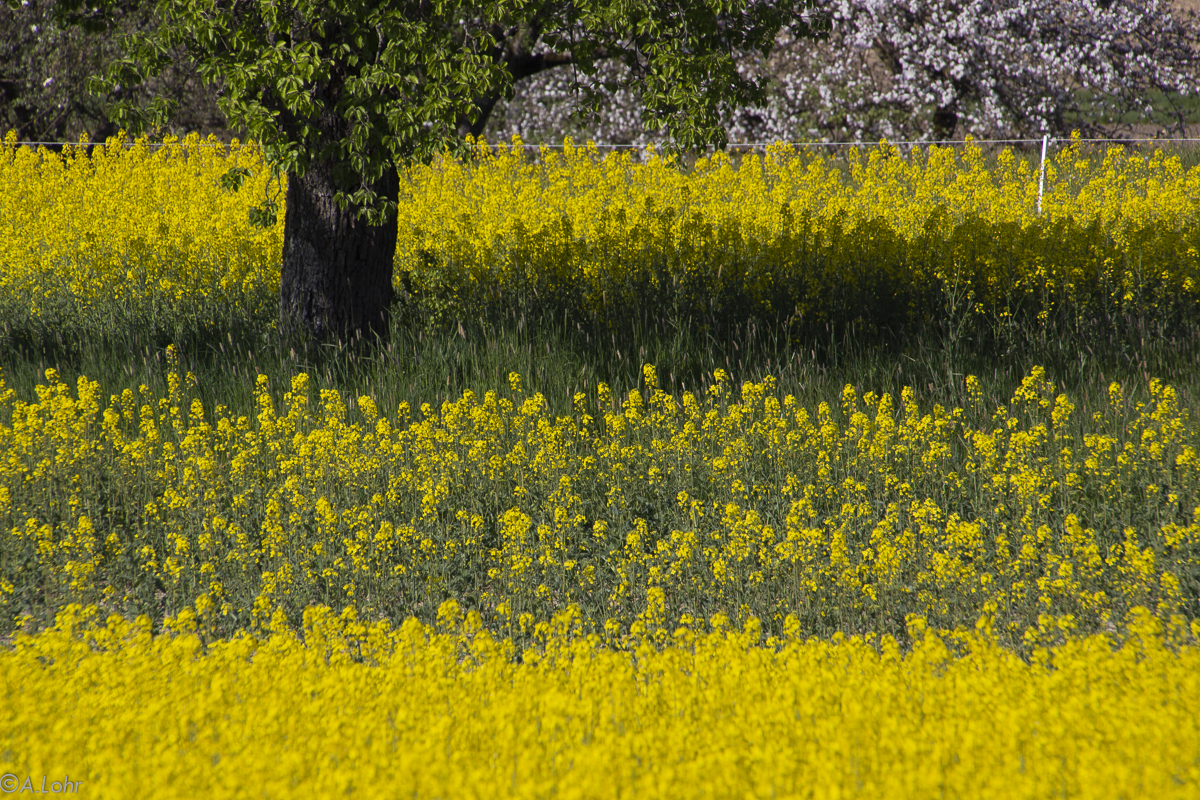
(730, 145)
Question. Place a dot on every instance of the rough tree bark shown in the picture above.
(336, 279)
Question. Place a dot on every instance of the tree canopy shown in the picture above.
(365, 85)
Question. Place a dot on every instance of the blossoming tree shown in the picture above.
(1004, 67)
(938, 69)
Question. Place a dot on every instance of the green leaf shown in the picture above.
(265, 214)
(232, 180)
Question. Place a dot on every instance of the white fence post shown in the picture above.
(1042, 176)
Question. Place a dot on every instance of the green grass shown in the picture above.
(427, 361)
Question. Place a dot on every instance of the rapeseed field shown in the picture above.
(637, 588)
(448, 710)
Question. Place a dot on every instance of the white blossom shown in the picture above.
(923, 70)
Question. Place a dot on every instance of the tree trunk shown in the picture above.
(336, 281)
(483, 112)
(945, 120)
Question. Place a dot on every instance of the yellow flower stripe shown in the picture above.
(446, 711)
(128, 235)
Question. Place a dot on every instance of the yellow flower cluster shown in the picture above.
(127, 233)
(741, 503)
(577, 182)
(874, 235)
(447, 710)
